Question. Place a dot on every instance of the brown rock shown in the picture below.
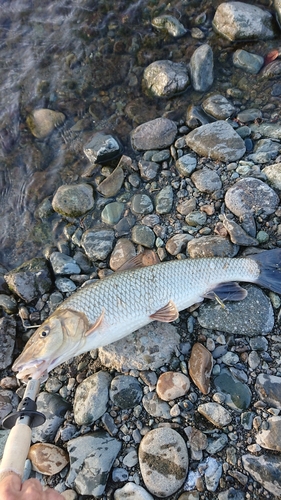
(42, 122)
(47, 458)
(200, 367)
(172, 385)
(112, 184)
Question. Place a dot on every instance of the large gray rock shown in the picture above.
(216, 140)
(241, 21)
(165, 78)
(30, 280)
(7, 341)
(155, 134)
(202, 68)
(266, 470)
(91, 398)
(73, 200)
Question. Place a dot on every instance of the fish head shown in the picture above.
(53, 343)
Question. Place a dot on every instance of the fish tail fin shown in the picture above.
(269, 263)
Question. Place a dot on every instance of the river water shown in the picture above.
(83, 58)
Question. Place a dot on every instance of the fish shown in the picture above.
(111, 308)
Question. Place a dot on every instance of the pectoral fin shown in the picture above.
(96, 324)
(167, 313)
(227, 291)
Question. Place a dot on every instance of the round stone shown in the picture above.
(172, 385)
(42, 122)
(163, 461)
(141, 204)
(125, 391)
(47, 458)
(73, 200)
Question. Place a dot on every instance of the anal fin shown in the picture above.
(227, 291)
(167, 313)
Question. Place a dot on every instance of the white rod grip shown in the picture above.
(16, 450)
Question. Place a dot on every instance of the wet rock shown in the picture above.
(155, 407)
(112, 213)
(102, 148)
(268, 388)
(249, 115)
(91, 398)
(272, 70)
(251, 316)
(164, 200)
(165, 78)
(54, 409)
(186, 164)
(141, 204)
(251, 63)
(148, 348)
(196, 218)
(7, 341)
(112, 184)
(266, 470)
(163, 461)
(125, 391)
(195, 116)
(91, 458)
(30, 280)
(215, 413)
(132, 491)
(177, 243)
(271, 130)
(211, 246)
(65, 285)
(8, 304)
(148, 169)
(172, 385)
(200, 367)
(241, 21)
(273, 174)
(63, 264)
(202, 68)
(218, 106)
(206, 180)
(270, 438)
(265, 150)
(98, 244)
(250, 195)
(143, 235)
(170, 24)
(73, 200)
(237, 395)
(155, 134)
(47, 458)
(217, 140)
(42, 122)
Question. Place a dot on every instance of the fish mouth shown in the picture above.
(34, 370)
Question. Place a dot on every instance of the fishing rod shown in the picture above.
(21, 422)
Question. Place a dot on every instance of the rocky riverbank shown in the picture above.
(186, 410)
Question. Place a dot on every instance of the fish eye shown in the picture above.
(44, 332)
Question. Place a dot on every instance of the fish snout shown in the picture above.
(35, 370)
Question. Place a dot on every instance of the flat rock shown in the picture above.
(47, 458)
(217, 140)
(241, 21)
(237, 394)
(206, 180)
(149, 348)
(211, 246)
(91, 458)
(250, 195)
(271, 438)
(215, 413)
(30, 280)
(266, 470)
(218, 106)
(91, 398)
(54, 408)
(202, 68)
(112, 184)
(98, 244)
(200, 367)
(63, 264)
(251, 316)
(163, 461)
(73, 200)
(155, 134)
(172, 385)
(268, 388)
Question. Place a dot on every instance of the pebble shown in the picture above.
(143, 235)
(200, 367)
(98, 244)
(177, 243)
(102, 148)
(164, 200)
(215, 413)
(273, 174)
(73, 200)
(42, 122)
(63, 264)
(186, 164)
(206, 180)
(155, 407)
(251, 63)
(30, 280)
(202, 68)
(155, 134)
(91, 398)
(132, 491)
(172, 385)
(238, 396)
(141, 204)
(112, 213)
(211, 246)
(270, 438)
(218, 106)
(125, 391)
(7, 339)
(268, 388)
(165, 78)
(251, 195)
(148, 169)
(112, 184)
(163, 461)
(54, 409)
(217, 140)
(91, 458)
(47, 458)
(170, 24)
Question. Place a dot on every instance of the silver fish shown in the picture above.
(109, 309)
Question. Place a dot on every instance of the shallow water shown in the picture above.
(86, 59)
